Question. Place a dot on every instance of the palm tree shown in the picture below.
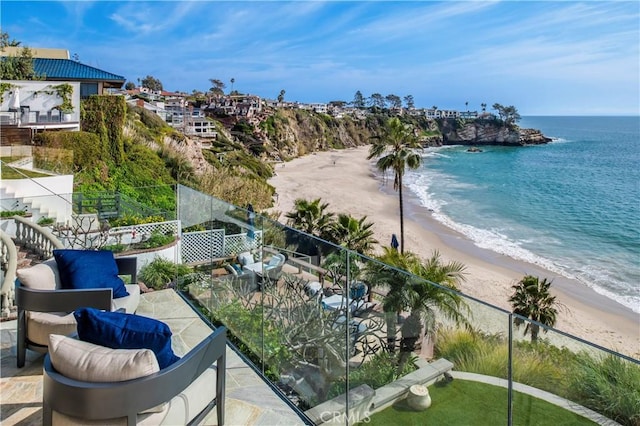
(310, 217)
(353, 234)
(532, 300)
(409, 281)
(395, 150)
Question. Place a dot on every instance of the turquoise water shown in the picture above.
(571, 206)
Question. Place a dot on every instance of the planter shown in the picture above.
(67, 117)
(419, 398)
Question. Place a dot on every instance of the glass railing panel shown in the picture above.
(560, 379)
(305, 340)
(422, 336)
(478, 348)
(50, 211)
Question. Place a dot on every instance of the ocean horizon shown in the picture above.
(571, 206)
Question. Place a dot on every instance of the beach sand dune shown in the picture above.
(349, 183)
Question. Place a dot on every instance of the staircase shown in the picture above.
(30, 245)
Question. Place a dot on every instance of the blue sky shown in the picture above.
(545, 58)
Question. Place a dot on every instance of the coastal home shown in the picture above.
(53, 103)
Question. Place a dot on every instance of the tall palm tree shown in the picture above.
(353, 234)
(531, 299)
(395, 149)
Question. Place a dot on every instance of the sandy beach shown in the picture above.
(348, 182)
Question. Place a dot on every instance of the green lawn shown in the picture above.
(463, 402)
(9, 173)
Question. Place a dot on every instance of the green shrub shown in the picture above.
(10, 213)
(156, 239)
(44, 221)
(610, 386)
(160, 272)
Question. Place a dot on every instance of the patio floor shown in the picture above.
(249, 400)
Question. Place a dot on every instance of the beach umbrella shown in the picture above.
(251, 214)
(394, 241)
(14, 102)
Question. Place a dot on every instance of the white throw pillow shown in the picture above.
(43, 276)
(87, 362)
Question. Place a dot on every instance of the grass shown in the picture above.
(463, 402)
(10, 173)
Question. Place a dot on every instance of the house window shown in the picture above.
(88, 89)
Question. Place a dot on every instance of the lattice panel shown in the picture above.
(234, 244)
(202, 246)
(166, 228)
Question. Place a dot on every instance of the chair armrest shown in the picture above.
(62, 300)
(101, 401)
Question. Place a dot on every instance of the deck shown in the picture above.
(249, 400)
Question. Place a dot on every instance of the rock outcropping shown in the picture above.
(489, 132)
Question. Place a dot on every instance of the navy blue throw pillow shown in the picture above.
(117, 330)
(82, 269)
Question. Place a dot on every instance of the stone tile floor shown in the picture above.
(249, 400)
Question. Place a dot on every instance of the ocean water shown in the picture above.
(571, 206)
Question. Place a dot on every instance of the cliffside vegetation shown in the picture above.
(133, 151)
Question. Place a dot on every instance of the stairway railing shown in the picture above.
(36, 238)
(9, 264)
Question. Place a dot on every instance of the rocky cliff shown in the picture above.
(488, 132)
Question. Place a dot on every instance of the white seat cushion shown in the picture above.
(41, 324)
(179, 411)
(87, 362)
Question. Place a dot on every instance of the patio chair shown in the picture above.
(266, 271)
(182, 393)
(45, 308)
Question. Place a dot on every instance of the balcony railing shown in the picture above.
(327, 344)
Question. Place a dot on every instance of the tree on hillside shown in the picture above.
(377, 100)
(18, 67)
(409, 102)
(394, 101)
(512, 115)
(151, 83)
(483, 106)
(358, 100)
(233, 80)
(532, 299)
(281, 96)
(466, 105)
(396, 149)
(130, 85)
(217, 87)
(508, 114)
(5, 41)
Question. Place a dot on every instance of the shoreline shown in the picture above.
(346, 180)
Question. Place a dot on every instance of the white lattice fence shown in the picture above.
(137, 233)
(202, 246)
(237, 243)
